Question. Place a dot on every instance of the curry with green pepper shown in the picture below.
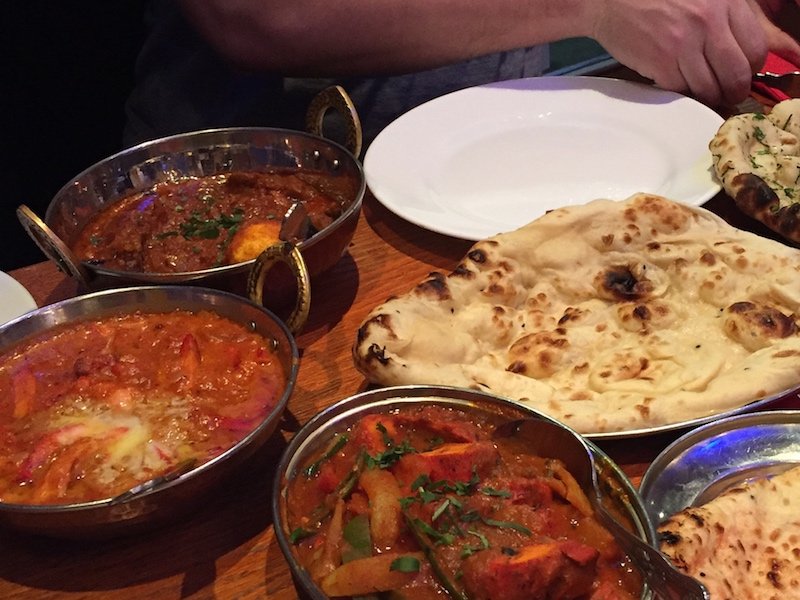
(425, 503)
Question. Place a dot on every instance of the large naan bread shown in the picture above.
(757, 159)
(610, 316)
(745, 543)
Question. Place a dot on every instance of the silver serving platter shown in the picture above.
(198, 154)
(617, 491)
(792, 393)
(703, 463)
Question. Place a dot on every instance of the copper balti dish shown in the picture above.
(208, 153)
(157, 501)
(320, 434)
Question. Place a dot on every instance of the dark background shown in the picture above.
(67, 69)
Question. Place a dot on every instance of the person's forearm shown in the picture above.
(351, 37)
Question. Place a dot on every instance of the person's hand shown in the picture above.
(708, 48)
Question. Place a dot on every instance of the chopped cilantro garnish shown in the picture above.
(338, 443)
(507, 525)
(470, 516)
(198, 227)
(440, 509)
(488, 491)
(394, 452)
(462, 488)
(469, 549)
(386, 459)
(427, 496)
(407, 501)
(438, 537)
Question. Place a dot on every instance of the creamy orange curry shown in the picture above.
(89, 410)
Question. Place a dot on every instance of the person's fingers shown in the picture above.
(668, 76)
(733, 50)
(706, 48)
(700, 79)
(748, 23)
(720, 69)
(728, 65)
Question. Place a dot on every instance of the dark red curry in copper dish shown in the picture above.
(424, 502)
(198, 223)
(91, 409)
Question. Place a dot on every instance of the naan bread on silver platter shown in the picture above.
(745, 543)
(612, 316)
(757, 159)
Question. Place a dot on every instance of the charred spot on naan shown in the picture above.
(464, 272)
(374, 352)
(572, 315)
(378, 353)
(644, 408)
(641, 316)
(754, 325)
(753, 195)
(623, 282)
(434, 288)
(477, 255)
(756, 198)
(670, 217)
(382, 321)
(624, 365)
(708, 258)
(537, 354)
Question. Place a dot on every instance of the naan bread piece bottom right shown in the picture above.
(743, 544)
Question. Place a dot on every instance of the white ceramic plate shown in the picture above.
(492, 158)
(15, 300)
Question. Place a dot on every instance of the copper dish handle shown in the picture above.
(52, 245)
(335, 97)
(287, 253)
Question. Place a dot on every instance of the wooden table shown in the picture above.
(227, 548)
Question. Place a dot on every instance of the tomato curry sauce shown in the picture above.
(424, 503)
(199, 223)
(89, 410)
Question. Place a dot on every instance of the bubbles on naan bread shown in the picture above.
(756, 326)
